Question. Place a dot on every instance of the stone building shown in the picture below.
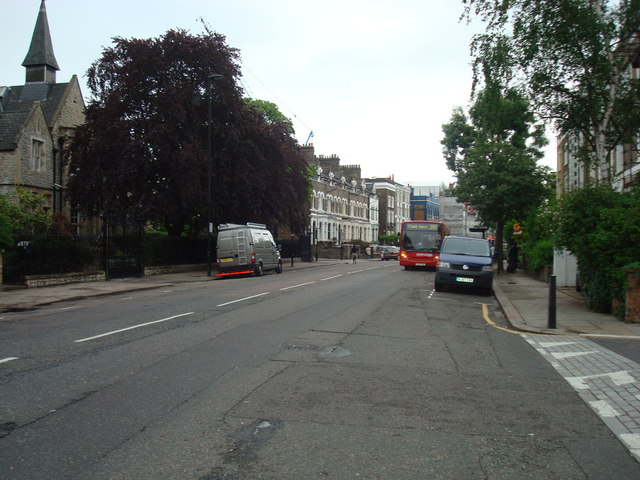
(37, 120)
(342, 208)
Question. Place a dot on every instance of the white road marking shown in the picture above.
(242, 299)
(555, 344)
(8, 359)
(563, 355)
(603, 409)
(133, 327)
(356, 271)
(619, 378)
(296, 286)
(330, 278)
(632, 440)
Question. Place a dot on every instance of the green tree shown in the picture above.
(493, 154)
(6, 229)
(271, 113)
(25, 216)
(571, 59)
(601, 228)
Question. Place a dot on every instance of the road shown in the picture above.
(344, 371)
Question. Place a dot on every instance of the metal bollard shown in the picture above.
(552, 302)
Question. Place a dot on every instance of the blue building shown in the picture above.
(425, 204)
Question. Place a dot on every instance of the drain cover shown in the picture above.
(334, 351)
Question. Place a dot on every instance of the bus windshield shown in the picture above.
(422, 237)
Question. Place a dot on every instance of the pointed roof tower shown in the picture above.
(40, 61)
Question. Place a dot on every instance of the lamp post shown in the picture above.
(210, 78)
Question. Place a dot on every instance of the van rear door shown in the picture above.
(233, 248)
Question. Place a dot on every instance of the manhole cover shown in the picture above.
(334, 351)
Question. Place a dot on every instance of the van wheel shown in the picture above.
(279, 269)
(259, 270)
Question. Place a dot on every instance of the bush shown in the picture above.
(601, 228)
(539, 255)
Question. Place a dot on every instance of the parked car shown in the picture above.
(246, 249)
(389, 253)
(465, 262)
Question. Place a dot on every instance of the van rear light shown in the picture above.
(253, 258)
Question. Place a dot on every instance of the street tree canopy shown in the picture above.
(142, 153)
(493, 153)
(571, 59)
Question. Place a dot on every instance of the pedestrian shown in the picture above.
(368, 250)
(354, 254)
(512, 259)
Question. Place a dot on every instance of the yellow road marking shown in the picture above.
(485, 314)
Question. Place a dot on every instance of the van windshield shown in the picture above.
(464, 246)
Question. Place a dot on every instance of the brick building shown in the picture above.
(394, 201)
(36, 121)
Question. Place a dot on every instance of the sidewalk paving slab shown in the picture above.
(525, 302)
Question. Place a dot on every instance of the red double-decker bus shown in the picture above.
(420, 242)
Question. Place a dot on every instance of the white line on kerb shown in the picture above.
(296, 286)
(131, 328)
(242, 299)
(8, 359)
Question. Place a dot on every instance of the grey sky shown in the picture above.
(374, 79)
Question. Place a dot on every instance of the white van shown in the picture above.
(246, 249)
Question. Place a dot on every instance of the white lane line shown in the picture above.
(355, 271)
(133, 327)
(296, 286)
(373, 268)
(330, 278)
(8, 359)
(242, 299)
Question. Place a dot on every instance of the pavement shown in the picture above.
(524, 300)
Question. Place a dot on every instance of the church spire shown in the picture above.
(40, 61)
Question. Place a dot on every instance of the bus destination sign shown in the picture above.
(422, 226)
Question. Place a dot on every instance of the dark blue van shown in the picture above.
(465, 262)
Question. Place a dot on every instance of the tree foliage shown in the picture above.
(25, 216)
(570, 58)
(493, 153)
(601, 228)
(270, 112)
(142, 153)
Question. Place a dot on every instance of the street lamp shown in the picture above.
(210, 78)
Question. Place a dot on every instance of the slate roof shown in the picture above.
(17, 103)
(41, 48)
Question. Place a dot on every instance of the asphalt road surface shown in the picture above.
(337, 372)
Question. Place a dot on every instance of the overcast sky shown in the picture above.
(373, 79)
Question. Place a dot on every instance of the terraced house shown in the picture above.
(37, 120)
